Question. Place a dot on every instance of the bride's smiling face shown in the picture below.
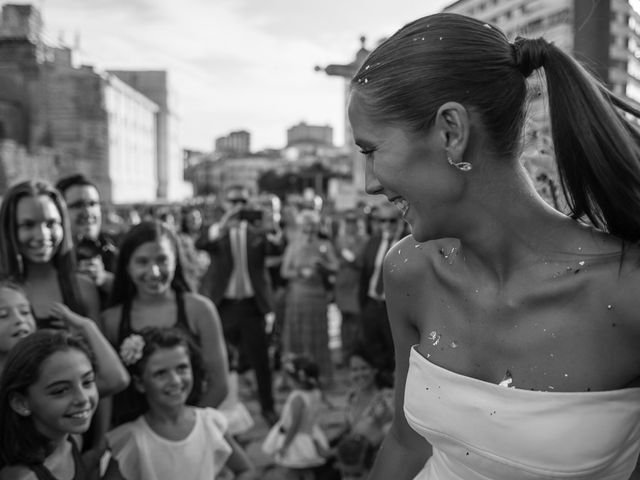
(410, 169)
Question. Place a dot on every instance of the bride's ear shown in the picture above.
(452, 124)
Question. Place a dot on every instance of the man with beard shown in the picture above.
(95, 251)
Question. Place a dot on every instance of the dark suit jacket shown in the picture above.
(216, 279)
(368, 266)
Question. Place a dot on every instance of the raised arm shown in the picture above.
(208, 240)
(111, 375)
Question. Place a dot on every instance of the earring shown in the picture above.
(462, 166)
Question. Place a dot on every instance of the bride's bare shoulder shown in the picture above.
(409, 260)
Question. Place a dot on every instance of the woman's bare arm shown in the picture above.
(214, 352)
(403, 452)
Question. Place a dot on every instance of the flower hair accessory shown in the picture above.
(131, 349)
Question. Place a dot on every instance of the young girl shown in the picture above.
(17, 321)
(296, 441)
(170, 439)
(48, 396)
(150, 291)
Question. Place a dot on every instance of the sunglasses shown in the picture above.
(83, 204)
(387, 220)
(237, 200)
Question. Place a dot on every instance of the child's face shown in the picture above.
(64, 398)
(16, 319)
(152, 266)
(167, 378)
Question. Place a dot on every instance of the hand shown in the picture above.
(66, 317)
(282, 451)
(275, 236)
(381, 411)
(305, 272)
(270, 319)
(229, 215)
(348, 255)
(93, 268)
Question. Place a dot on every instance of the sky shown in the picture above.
(234, 64)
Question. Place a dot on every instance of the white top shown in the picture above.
(482, 431)
(142, 454)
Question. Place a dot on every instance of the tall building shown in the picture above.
(216, 175)
(236, 144)
(156, 86)
(604, 35)
(75, 119)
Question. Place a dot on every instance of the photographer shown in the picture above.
(237, 282)
(96, 252)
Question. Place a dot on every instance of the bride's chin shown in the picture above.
(418, 235)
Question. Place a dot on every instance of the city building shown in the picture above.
(604, 35)
(212, 174)
(236, 144)
(309, 143)
(57, 118)
(314, 135)
(155, 85)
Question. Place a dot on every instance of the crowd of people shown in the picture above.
(487, 335)
(161, 320)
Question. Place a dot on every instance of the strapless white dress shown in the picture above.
(483, 431)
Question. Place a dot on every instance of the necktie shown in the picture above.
(377, 281)
(237, 240)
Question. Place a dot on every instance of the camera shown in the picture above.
(252, 216)
(87, 249)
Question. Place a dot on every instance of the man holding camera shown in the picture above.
(237, 282)
(95, 252)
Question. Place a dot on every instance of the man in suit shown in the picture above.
(388, 229)
(237, 282)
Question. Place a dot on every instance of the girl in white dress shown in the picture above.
(296, 441)
(172, 440)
